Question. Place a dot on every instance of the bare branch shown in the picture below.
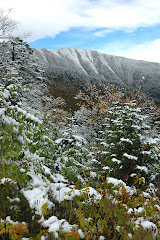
(7, 25)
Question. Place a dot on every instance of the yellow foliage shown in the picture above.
(80, 215)
(16, 232)
(44, 208)
(74, 235)
(125, 194)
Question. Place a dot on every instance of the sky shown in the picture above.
(129, 28)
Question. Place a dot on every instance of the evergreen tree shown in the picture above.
(128, 148)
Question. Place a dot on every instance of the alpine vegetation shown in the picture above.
(90, 173)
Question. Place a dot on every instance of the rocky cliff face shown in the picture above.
(75, 68)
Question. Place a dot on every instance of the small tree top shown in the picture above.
(7, 25)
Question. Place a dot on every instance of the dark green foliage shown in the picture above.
(128, 148)
(13, 202)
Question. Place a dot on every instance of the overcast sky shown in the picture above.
(128, 28)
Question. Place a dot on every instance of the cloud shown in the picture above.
(148, 51)
(102, 33)
(50, 17)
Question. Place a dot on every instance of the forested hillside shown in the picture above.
(90, 173)
(69, 69)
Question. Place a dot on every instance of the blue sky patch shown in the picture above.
(92, 39)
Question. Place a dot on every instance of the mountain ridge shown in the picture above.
(83, 68)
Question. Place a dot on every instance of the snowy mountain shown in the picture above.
(88, 174)
(66, 68)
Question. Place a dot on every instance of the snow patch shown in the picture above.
(130, 156)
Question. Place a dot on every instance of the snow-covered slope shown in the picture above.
(85, 67)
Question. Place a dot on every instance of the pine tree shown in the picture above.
(129, 150)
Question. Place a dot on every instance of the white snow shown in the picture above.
(130, 235)
(43, 238)
(93, 174)
(14, 199)
(130, 211)
(147, 225)
(130, 156)
(61, 192)
(8, 120)
(116, 160)
(2, 111)
(115, 181)
(28, 115)
(81, 234)
(142, 168)
(46, 170)
(38, 196)
(9, 220)
(59, 140)
(6, 93)
(140, 210)
(126, 140)
(50, 221)
(3, 180)
(54, 225)
(120, 183)
(101, 238)
(91, 193)
(106, 168)
(133, 175)
(146, 152)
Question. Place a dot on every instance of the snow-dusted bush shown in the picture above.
(118, 123)
(116, 211)
(128, 148)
